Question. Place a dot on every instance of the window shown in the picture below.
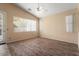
(24, 25)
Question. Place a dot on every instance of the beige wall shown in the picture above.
(54, 27)
(77, 23)
(12, 10)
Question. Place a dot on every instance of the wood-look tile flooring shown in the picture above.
(4, 50)
(42, 47)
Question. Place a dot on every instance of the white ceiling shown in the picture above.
(49, 8)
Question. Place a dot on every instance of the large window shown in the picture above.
(24, 25)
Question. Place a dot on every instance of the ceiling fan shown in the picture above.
(38, 10)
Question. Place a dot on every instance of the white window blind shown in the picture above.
(69, 23)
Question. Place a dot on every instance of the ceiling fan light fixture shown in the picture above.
(29, 9)
(38, 9)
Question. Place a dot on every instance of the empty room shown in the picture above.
(39, 29)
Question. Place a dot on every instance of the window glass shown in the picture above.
(24, 25)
